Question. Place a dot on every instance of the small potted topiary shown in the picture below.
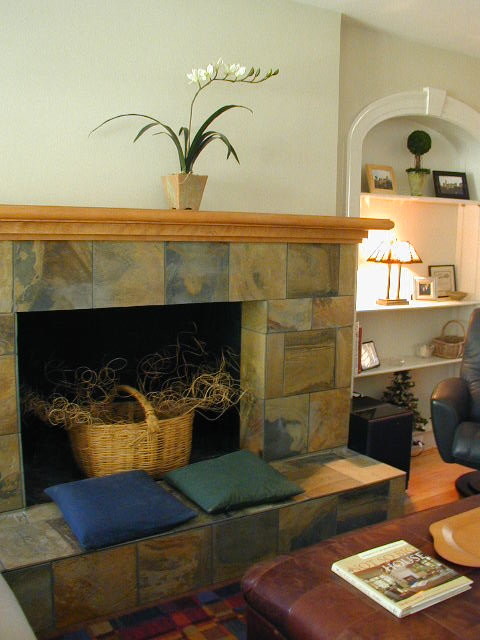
(418, 143)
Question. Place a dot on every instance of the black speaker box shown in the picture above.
(382, 431)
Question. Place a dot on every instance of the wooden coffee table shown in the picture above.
(297, 597)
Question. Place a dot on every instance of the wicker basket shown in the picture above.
(449, 346)
(151, 444)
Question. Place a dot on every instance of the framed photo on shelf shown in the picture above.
(368, 357)
(381, 179)
(450, 184)
(444, 275)
(425, 288)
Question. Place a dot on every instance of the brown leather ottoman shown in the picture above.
(297, 597)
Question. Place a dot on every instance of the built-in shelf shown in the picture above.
(417, 199)
(415, 305)
(392, 334)
(406, 364)
(403, 363)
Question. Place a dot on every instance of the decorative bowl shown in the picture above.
(456, 295)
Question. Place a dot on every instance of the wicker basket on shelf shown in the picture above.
(449, 346)
(151, 444)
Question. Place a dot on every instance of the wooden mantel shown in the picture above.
(32, 222)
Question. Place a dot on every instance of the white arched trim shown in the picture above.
(426, 102)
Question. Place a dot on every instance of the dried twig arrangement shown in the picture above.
(182, 378)
(81, 396)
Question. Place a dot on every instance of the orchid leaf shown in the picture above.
(197, 139)
(154, 123)
(124, 115)
(145, 129)
(210, 136)
(176, 142)
(202, 78)
(185, 132)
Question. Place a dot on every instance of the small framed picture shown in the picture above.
(381, 179)
(425, 288)
(450, 184)
(369, 358)
(444, 275)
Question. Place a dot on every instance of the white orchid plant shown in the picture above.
(190, 146)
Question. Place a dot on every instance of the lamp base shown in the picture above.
(387, 301)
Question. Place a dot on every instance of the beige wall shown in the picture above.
(375, 64)
(69, 64)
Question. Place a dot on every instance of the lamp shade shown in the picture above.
(395, 252)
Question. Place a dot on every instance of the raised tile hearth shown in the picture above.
(59, 585)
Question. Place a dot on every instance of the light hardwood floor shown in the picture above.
(432, 481)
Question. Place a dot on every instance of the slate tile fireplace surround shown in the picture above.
(295, 277)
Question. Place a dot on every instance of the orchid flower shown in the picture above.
(189, 149)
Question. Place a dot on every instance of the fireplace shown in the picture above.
(293, 277)
(52, 345)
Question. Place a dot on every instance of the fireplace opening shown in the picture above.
(93, 338)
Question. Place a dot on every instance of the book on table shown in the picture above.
(401, 577)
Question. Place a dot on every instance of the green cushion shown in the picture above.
(232, 481)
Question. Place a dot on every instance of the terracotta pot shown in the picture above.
(184, 190)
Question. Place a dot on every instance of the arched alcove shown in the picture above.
(443, 231)
(433, 107)
(453, 149)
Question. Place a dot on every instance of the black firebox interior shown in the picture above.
(66, 340)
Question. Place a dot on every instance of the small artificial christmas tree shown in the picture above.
(399, 393)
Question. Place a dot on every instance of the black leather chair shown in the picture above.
(455, 407)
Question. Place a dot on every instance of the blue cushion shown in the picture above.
(112, 509)
(232, 481)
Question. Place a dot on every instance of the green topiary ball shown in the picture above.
(419, 142)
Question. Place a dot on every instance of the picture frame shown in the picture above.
(368, 357)
(425, 288)
(444, 275)
(381, 178)
(450, 184)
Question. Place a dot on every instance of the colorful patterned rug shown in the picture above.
(207, 615)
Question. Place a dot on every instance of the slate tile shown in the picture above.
(10, 478)
(309, 361)
(313, 270)
(286, 427)
(95, 584)
(53, 275)
(174, 564)
(329, 419)
(290, 315)
(8, 395)
(240, 542)
(196, 272)
(33, 589)
(6, 277)
(306, 523)
(127, 274)
(257, 271)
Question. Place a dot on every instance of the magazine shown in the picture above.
(401, 578)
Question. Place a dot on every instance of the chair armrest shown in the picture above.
(13, 622)
(450, 405)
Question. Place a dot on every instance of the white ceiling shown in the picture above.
(449, 24)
